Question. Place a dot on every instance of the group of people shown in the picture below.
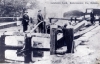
(26, 20)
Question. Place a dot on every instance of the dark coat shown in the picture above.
(25, 19)
(40, 18)
(92, 16)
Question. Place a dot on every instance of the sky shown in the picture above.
(56, 8)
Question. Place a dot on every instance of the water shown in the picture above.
(11, 56)
(29, 55)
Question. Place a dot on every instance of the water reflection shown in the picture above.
(26, 56)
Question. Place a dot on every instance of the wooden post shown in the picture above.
(75, 19)
(44, 12)
(71, 39)
(50, 20)
(71, 19)
(53, 40)
(2, 49)
(28, 48)
(44, 27)
(68, 38)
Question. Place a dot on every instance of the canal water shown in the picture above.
(11, 56)
(30, 55)
(37, 42)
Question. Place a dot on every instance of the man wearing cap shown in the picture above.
(25, 21)
(92, 18)
(40, 19)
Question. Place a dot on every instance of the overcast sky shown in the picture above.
(56, 8)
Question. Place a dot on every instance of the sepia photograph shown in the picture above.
(49, 31)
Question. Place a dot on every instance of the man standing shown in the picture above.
(92, 18)
(40, 19)
(25, 21)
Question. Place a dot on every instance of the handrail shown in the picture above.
(10, 17)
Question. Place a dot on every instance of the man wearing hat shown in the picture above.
(40, 19)
(25, 21)
(92, 18)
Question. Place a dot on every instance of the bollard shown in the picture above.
(2, 49)
(53, 40)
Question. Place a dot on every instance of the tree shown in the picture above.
(15, 7)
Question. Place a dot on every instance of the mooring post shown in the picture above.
(2, 49)
(53, 40)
